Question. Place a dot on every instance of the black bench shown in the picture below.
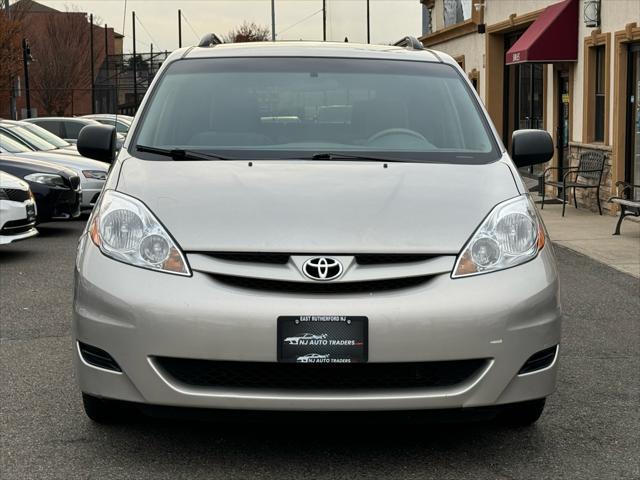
(590, 168)
(629, 205)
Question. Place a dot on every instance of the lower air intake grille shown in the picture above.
(13, 227)
(291, 376)
(539, 360)
(320, 288)
(98, 358)
(15, 194)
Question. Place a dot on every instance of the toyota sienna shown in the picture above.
(354, 197)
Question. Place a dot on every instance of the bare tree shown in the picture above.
(248, 32)
(10, 48)
(62, 60)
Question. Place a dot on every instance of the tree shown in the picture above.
(62, 57)
(10, 45)
(248, 32)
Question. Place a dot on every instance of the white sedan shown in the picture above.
(17, 210)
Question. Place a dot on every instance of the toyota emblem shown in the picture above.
(322, 268)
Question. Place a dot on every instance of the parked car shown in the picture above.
(68, 128)
(121, 122)
(56, 189)
(404, 233)
(91, 172)
(45, 135)
(17, 210)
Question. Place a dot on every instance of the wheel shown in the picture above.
(105, 411)
(521, 414)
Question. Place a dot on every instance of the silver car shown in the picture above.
(398, 234)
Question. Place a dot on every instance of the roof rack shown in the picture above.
(410, 42)
(210, 40)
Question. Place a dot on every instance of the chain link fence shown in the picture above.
(116, 89)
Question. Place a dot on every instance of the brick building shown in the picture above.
(570, 67)
(39, 22)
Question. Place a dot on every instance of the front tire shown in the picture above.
(105, 411)
(522, 414)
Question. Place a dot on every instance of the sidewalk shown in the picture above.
(591, 234)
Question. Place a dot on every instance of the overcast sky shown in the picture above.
(390, 19)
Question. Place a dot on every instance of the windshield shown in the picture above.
(11, 145)
(254, 108)
(46, 135)
(31, 139)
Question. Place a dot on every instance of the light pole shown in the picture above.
(26, 59)
(324, 20)
(179, 28)
(93, 78)
(368, 24)
(273, 20)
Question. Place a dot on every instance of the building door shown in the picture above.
(632, 160)
(523, 101)
(563, 127)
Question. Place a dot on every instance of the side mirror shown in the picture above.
(531, 147)
(98, 142)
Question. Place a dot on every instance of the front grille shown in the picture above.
(539, 360)
(368, 286)
(283, 258)
(13, 227)
(386, 258)
(16, 195)
(98, 358)
(74, 181)
(292, 376)
(250, 257)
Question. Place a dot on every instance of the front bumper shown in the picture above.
(16, 222)
(90, 192)
(136, 315)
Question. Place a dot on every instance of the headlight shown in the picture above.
(50, 179)
(511, 234)
(126, 230)
(95, 174)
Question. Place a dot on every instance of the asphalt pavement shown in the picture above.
(590, 429)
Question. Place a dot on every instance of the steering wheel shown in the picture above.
(396, 131)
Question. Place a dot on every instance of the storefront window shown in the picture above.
(456, 11)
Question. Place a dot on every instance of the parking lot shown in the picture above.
(589, 429)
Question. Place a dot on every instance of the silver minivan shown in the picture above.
(315, 226)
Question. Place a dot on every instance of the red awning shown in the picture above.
(553, 37)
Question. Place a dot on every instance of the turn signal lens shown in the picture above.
(126, 230)
(511, 234)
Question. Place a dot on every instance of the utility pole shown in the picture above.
(93, 78)
(26, 58)
(135, 61)
(324, 20)
(150, 71)
(273, 20)
(15, 79)
(368, 24)
(106, 65)
(179, 28)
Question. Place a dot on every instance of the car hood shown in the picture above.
(23, 166)
(74, 162)
(9, 181)
(318, 207)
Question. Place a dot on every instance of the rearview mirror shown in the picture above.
(98, 142)
(531, 147)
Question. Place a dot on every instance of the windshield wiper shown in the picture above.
(360, 158)
(180, 154)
